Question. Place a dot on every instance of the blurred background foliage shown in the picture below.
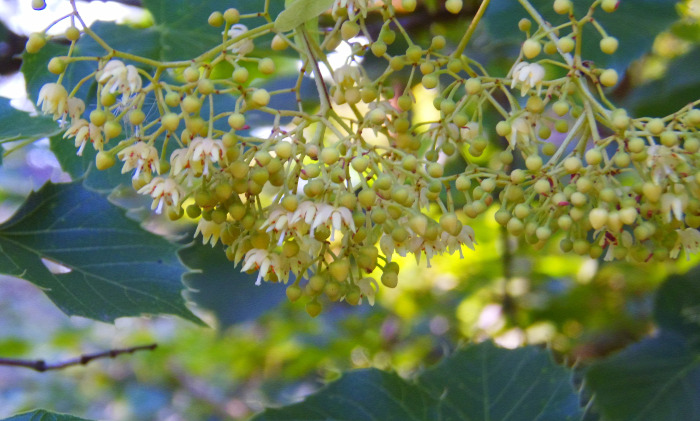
(262, 350)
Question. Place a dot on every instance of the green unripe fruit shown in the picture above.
(378, 216)
(112, 129)
(609, 45)
(236, 121)
(430, 81)
(205, 86)
(454, 6)
(72, 33)
(572, 164)
(278, 43)
(349, 30)
(317, 282)
(693, 117)
(542, 186)
(455, 65)
(563, 7)
(560, 108)
(263, 158)
(598, 217)
(691, 145)
(524, 24)
(438, 42)
(38, 4)
(218, 216)
(610, 5)
(240, 75)
(239, 169)
(360, 163)
(408, 5)
(399, 234)
(216, 19)
(170, 122)
(533, 162)
(367, 198)
(405, 102)
(515, 226)
(376, 116)
(294, 292)
(339, 269)
(472, 86)
(534, 105)
(566, 44)
(266, 66)
(136, 117)
(172, 99)
(609, 77)
(260, 98)
(594, 157)
(531, 48)
(104, 160)
(451, 224)
(621, 159)
(98, 117)
(418, 223)
(435, 170)
(193, 211)
(378, 48)
(397, 63)
(191, 74)
(232, 16)
(655, 126)
(107, 99)
(545, 132)
(414, 53)
(390, 279)
(57, 65)
(191, 104)
(35, 43)
(503, 128)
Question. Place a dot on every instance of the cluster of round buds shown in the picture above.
(330, 196)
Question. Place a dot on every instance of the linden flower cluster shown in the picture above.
(330, 195)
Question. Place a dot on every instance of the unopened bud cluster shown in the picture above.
(329, 198)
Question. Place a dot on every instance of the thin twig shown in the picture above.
(41, 365)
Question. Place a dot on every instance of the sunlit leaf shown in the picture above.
(300, 11)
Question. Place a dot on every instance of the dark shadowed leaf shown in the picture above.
(218, 285)
(41, 415)
(480, 382)
(657, 379)
(678, 88)
(677, 306)
(484, 382)
(89, 258)
(635, 24)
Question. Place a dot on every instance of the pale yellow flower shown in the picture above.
(53, 99)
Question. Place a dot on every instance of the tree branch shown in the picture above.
(41, 365)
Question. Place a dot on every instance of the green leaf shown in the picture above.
(481, 382)
(667, 95)
(84, 166)
(18, 125)
(484, 382)
(218, 285)
(300, 11)
(657, 379)
(115, 268)
(635, 24)
(677, 306)
(42, 415)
